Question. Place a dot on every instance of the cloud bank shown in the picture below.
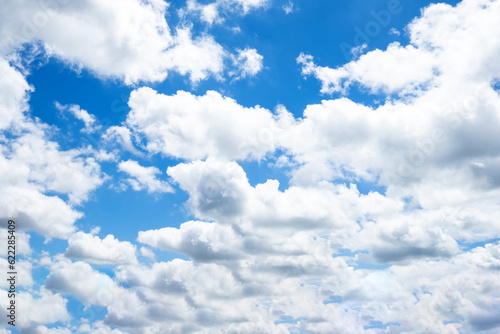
(418, 252)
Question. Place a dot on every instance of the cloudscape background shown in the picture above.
(251, 166)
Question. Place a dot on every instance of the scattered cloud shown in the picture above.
(134, 44)
(93, 249)
(193, 127)
(216, 12)
(88, 119)
(288, 8)
(143, 177)
(199, 240)
(248, 63)
(122, 136)
(394, 31)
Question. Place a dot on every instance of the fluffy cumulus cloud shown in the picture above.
(128, 40)
(431, 57)
(248, 62)
(418, 252)
(22, 240)
(199, 240)
(122, 137)
(448, 100)
(397, 69)
(193, 127)
(25, 273)
(143, 177)
(32, 166)
(102, 37)
(199, 58)
(124, 307)
(410, 145)
(93, 249)
(14, 91)
(35, 307)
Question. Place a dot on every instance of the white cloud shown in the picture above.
(94, 288)
(147, 253)
(419, 147)
(98, 327)
(22, 242)
(82, 281)
(102, 155)
(55, 330)
(220, 191)
(431, 57)
(217, 11)
(268, 253)
(403, 238)
(208, 13)
(23, 268)
(109, 47)
(46, 166)
(397, 69)
(31, 166)
(144, 177)
(88, 119)
(93, 249)
(394, 31)
(248, 5)
(14, 91)
(129, 40)
(216, 189)
(248, 62)
(122, 136)
(199, 58)
(35, 310)
(176, 286)
(48, 215)
(199, 240)
(193, 127)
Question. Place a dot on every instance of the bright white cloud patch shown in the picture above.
(430, 59)
(36, 310)
(79, 33)
(199, 58)
(41, 183)
(14, 91)
(397, 69)
(51, 169)
(248, 62)
(31, 166)
(121, 136)
(130, 40)
(143, 177)
(193, 127)
(24, 247)
(199, 240)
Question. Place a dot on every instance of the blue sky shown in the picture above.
(243, 166)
